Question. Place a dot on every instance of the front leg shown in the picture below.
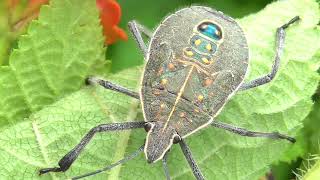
(280, 37)
(109, 85)
(137, 30)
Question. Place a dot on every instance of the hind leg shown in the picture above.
(72, 155)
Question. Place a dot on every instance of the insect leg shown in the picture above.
(244, 132)
(165, 166)
(280, 38)
(187, 153)
(72, 155)
(137, 30)
(122, 161)
(114, 87)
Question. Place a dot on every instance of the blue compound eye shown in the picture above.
(210, 30)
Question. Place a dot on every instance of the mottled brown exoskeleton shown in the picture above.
(197, 59)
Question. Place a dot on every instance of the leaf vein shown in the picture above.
(41, 146)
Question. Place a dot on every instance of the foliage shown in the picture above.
(45, 112)
(51, 60)
(125, 54)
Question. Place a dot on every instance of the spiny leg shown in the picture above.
(165, 166)
(244, 132)
(122, 161)
(137, 30)
(280, 39)
(187, 153)
(72, 155)
(108, 85)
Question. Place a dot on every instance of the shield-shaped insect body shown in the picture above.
(197, 59)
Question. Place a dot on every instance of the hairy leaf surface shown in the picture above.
(51, 60)
(47, 135)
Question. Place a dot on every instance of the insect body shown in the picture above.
(196, 60)
(194, 66)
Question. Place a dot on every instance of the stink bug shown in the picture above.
(197, 59)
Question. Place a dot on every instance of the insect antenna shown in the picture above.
(165, 166)
(122, 161)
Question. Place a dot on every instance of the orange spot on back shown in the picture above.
(160, 71)
(156, 92)
(171, 66)
(182, 114)
(207, 82)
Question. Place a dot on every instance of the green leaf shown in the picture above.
(311, 129)
(306, 147)
(310, 165)
(50, 133)
(308, 137)
(51, 60)
(47, 135)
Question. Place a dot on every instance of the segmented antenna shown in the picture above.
(122, 161)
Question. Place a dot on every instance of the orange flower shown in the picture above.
(34, 5)
(110, 14)
(31, 12)
(12, 3)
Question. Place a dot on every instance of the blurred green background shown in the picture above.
(150, 13)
